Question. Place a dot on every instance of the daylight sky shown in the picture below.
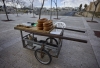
(61, 3)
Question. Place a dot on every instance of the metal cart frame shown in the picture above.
(51, 37)
(47, 46)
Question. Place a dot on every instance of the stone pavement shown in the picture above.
(73, 54)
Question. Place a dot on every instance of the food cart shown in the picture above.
(42, 48)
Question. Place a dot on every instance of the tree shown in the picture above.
(80, 7)
(51, 11)
(5, 9)
(55, 2)
(17, 3)
(32, 6)
(41, 9)
(22, 4)
(95, 4)
(85, 6)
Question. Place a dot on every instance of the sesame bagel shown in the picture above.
(40, 28)
(42, 20)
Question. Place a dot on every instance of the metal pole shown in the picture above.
(23, 42)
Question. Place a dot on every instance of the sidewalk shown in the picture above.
(73, 54)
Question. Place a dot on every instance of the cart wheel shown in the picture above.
(43, 56)
(53, 40)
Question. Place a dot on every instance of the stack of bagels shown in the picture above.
(44, 24)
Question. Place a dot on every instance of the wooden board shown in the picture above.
(32, 29)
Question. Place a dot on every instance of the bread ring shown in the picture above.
(47, 28)
(42, 20)
(40, 25)
(47, 22)
(23, 26)
(40, 28)
(47, 25)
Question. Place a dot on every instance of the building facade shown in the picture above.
(91, 7)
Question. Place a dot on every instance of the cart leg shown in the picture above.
(33, 35)
(51, 41)
(23, 42)
(59, 47)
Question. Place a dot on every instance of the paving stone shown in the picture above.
(95, 42)
(4, 64)
(10, 39)
(1, 49)
(72, 55)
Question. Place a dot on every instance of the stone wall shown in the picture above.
(91, 7)
(87, 14)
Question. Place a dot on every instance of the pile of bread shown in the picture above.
(44, 24)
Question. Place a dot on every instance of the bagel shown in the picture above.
(40, 28)
(42, 20)
(47, 22)
(47, 25)
(40, 25)
(47, 28)
(21, 26)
